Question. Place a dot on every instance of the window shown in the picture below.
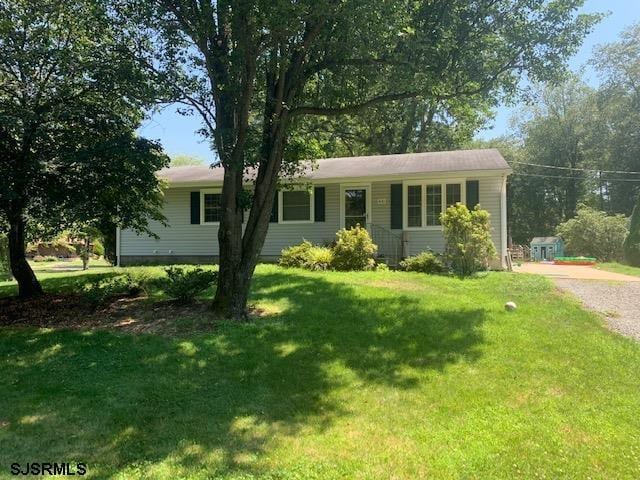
(414, 206)
(473, 193)
(454, 193)
(434, 204)
(211, 207)
(296, 206)
(424, 201)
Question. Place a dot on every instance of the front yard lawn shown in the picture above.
(346, 375)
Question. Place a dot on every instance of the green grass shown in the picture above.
(620, 268)
(360, 375)
(63, 275)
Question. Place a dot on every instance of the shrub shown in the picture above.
(40, 258)
(296, 255)
(99, 291)
(307, 255)
(319, 258)
(425, 262)
(631, 246)
(183, 284)
(382, 267)
(354, 250)
(592, 233)
(98, 248)
(467, 235)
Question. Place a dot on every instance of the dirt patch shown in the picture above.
(128, 315)
(572, 272)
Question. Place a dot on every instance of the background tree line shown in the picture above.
(586, 139)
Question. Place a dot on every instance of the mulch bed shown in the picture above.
(128, 315)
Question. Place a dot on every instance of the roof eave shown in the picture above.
(365, 178)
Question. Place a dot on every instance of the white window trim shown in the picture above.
(423, 211)
(349, 186)
(202, 194)
(281, 219)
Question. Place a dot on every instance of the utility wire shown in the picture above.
(606, 180)
(575, 169)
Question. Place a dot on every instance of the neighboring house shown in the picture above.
(398, 197)
(546, 248)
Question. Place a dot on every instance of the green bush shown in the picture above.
(296, 255)
(631, 246)
(592, 233)
(382, 267)
(319, 258)
(425, 262)
(40, 258)
(98, 248)
(99, 291)
(307, 255)
(354, 250)
(183, 284)
(467, 235)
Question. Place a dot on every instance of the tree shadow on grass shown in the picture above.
(216, 402)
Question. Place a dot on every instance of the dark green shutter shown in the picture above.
(396, 206)
(318, 204)
(473, 194)
(274, 210)
(195, 208)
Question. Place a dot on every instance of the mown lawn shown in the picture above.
(620, 268)
(354, 375)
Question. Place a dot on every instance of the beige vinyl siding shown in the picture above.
(180, 238)
(381, 204)
(283, 235)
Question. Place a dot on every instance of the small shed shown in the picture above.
(546, 248)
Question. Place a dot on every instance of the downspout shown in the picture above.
(503, 222)
(117, 246)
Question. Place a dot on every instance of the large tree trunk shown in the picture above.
(233, 284)
(28, 285)
(239, 253)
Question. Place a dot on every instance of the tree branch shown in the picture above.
(356, 108)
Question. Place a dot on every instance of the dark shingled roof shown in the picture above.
(369, 166)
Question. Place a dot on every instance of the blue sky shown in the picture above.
(177, 133)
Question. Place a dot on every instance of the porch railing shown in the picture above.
(390, 245)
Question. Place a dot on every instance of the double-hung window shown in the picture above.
(211, 202)
(454, 193)
(414, 205)
(296, 206)
(434, 205)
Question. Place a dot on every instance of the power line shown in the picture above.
(575, 168)
(607, 180)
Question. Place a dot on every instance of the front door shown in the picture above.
(543, 253)
(355, 206)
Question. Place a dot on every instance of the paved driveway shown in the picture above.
(614, 295)
(577, 272)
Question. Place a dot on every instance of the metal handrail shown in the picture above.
(390, 245)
